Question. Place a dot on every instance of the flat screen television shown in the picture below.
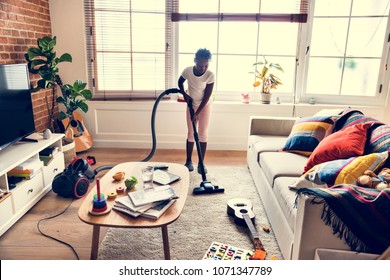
(16, 110)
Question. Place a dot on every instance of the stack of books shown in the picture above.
(146, 203)
(27, 169)
(47, 154)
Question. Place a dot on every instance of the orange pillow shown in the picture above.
(346, 143)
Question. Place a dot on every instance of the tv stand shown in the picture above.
(29, 140)
(18, 200)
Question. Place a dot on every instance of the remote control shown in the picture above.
(161, 167)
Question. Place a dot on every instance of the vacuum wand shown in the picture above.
(205, 186)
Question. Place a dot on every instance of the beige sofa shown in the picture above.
(299, 230)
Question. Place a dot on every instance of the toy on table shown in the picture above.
(119, 176)
(99, 204)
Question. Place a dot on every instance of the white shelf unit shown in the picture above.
(27, 193)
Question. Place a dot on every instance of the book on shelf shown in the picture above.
(32, 164)
(143, 197)
(49, 151)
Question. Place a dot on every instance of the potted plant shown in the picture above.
(266, 79)
(43, 60)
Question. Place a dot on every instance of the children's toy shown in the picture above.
(220, 251)
(370, 179)
(242, 211)
(118, 176)
(245, 98)
(131, 182)
(99, 205)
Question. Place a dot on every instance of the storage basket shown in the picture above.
(68, 147)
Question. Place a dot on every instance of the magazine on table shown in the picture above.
(144, 197)
(125, 201)
(156, 211)
(126, 210)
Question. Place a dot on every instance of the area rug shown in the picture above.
(204, 220)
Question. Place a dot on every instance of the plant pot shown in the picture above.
(266, 98)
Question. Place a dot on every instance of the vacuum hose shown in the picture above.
(152, 125)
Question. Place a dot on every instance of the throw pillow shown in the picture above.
(351, 117)
(341, 171)
(307, 133)
(345, 143)
(379, 140)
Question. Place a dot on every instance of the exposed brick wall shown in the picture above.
(21, 23)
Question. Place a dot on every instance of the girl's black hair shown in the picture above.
(203, 54)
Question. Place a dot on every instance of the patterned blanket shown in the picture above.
(358, 215)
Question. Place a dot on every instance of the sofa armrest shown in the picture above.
(260, 125)
(311, 232)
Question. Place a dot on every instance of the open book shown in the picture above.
(144, 197)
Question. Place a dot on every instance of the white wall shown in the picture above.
(127, 124)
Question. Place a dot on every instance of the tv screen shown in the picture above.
(16, 110)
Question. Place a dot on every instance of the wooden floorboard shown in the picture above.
(23, 241)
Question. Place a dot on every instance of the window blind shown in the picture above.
(128, 47)
(226, 10)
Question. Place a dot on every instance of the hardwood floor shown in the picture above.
(23, 241)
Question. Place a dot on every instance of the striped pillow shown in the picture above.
(307, 133)
(351, 117)
(379, 141)
(341, 171)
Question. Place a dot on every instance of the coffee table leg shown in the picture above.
(167, 253)
(95, 242)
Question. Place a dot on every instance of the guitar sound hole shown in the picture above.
(243, 211)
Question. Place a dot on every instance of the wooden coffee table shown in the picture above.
(121, 220)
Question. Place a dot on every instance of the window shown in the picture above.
(333, 51)
(347, 45)
(127, 47)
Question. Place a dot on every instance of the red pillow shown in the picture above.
(346, 143)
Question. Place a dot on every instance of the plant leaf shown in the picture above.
(65, 57)
(62, 116)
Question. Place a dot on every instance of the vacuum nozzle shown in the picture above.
(206, 188)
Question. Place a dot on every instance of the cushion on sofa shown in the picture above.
(307, 133)
(351, 117)
(341, 171)
(267, 143)
(277, 164)
(346, 143)
(379, 139)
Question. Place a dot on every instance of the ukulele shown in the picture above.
(80, 134)
(242, 211)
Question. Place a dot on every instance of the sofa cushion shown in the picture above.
(379, 139)
(277, 164)
(286, 198)
(346, 143)
(341, 171)
(307, 133)
(267, 143)
(351, 117)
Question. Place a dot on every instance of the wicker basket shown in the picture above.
(68, 147)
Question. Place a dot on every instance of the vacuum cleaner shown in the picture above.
(205, 186)
(74, 181)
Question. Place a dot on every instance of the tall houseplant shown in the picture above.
(43, 60)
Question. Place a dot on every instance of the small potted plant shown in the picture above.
(266, 79)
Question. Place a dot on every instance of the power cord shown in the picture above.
(56, 239)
